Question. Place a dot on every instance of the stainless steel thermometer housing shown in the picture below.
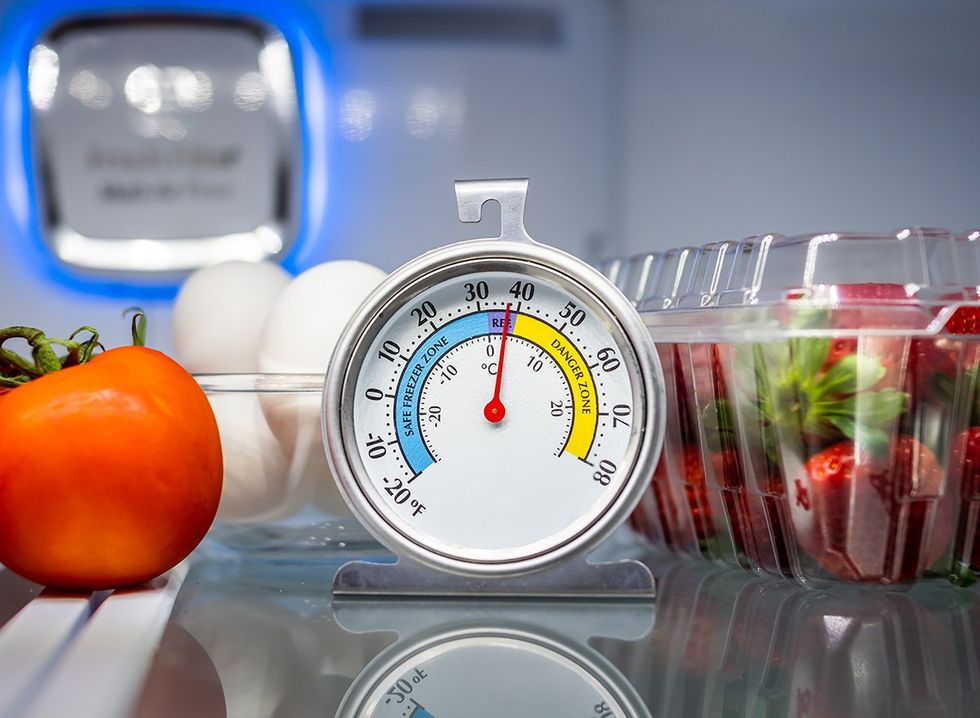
(513, 255)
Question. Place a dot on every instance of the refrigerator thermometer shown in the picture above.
(496, 405)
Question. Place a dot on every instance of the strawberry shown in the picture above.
(924, 356)
(840, 347)
(660, 518)
(697, 493)
(964, 462)
(765, 525)
(680, 494)
(884, 292)
(965, 459)
(724, 473)
(670, 494)
(823, 413)
(655, 517)
(872, 516)
(965, 320)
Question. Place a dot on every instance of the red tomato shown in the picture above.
(110, 472)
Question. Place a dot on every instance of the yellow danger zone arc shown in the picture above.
(569, 359)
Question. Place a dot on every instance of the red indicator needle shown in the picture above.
(494, 410)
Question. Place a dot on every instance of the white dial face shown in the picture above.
(496, 414)
(489, 677)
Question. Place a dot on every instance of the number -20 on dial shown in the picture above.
(494, 408)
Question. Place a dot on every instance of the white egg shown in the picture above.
(295, 421)
(310, 314)
(258, 484)
(220, 312)
(300, 334)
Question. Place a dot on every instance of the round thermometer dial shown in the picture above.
(493, 408)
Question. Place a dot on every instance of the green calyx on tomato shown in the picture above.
(16, 370)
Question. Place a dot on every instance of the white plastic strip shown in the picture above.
(101, 673)
(32, 641)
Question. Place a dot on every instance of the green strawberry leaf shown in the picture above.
(745, 361)
(845, 424)
(770, 444)
(808, 355)
(809, 318)
(869, 370)
(832, 407)
(873, 439)
(962, 574)
(881, 407)
(851, 374)
(971, 388)
(718, 425)
(943, 388)
(841, 378)
(970, 375)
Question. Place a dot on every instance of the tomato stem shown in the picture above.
(139, 326)
(16, 370)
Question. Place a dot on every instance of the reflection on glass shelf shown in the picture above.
(727, 644)
(489, 659)
(257, 643)
(263, 642)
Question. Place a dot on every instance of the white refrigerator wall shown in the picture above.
(794, 116)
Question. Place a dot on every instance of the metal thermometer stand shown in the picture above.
(575, 577)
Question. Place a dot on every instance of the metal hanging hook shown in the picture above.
(510, 194)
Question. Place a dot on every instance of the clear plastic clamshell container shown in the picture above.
(823, 404)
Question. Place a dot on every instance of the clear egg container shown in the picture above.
(823, 404)
(279, 501)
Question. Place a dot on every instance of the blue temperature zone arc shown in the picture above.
(420, 712)
(419, 367)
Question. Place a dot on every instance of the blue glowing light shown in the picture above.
(23, 23)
